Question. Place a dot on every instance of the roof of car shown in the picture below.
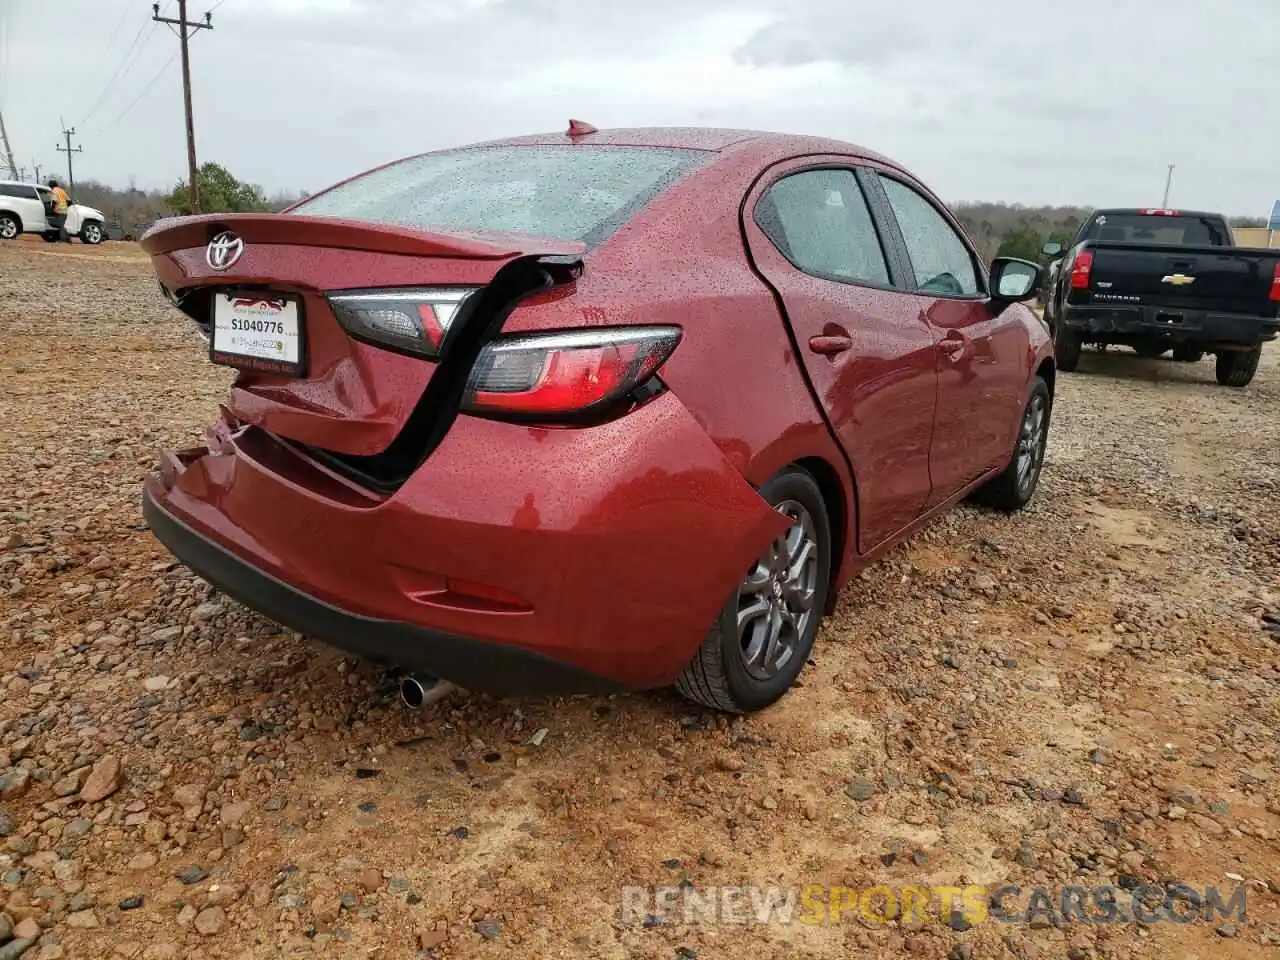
(714, 139)
(19, 183)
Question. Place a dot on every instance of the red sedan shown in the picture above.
(595, 411)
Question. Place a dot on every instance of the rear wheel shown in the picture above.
(1066, 349)
(9, 227)
(762, 636)
(1013, 489)
(91, 232)
(1236, 368)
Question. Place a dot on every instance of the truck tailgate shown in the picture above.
(1227, 279)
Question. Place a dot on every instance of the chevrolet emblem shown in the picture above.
(1178, 279)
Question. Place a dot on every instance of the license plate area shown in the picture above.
(258, 330)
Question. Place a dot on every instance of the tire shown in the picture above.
(91, 233)
(10, 227)
(1012, 490)
(1187, 353)
(1066, 349)
(723, 674)
(1151, 350)
(1236, 368)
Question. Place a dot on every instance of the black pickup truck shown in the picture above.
(1160, 280)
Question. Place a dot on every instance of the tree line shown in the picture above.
(134, 209)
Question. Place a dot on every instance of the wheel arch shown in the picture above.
(1048, 372)
(840, 512)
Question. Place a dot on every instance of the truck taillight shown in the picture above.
(567, 375)
(1275, 283)
(1080, 270)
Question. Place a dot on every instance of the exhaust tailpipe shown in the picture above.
(419, 691)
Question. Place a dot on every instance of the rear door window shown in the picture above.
(940, 259)
(576, 192)
(820, 221)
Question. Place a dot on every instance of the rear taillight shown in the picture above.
(566, 375)
(1080, 270)
(1275, 283)
(413, 321)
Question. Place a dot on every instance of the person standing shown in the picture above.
(61, 205)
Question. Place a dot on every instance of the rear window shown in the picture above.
(575, 192)
(1147, 228)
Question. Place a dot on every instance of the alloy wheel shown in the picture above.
(1031, 443)
(776, 600)
(8, 229)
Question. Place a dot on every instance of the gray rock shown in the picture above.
(15, 783)
(193, 874)
(860, 789)
(15, 948)
(207, 611)
(77, 829)
(489, 929)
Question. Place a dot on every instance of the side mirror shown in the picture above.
(1051, 249)
(1013, 279)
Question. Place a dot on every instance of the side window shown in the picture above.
(940, 259)
(819, 220)
(8, 191)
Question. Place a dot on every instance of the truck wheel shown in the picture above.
(1013, 489)
(91, 232)
(1236, 368)
(1187, 353)
(1066, 349)
(762, 637)
(10, 228)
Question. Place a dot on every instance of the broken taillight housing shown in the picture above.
(410, 320)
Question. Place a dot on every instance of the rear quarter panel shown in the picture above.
(682, 261)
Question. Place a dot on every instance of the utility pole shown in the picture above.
(69, 150)
(1168, 182)
(37, 167)
(8, 150)
(186, 29)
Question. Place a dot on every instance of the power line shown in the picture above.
(188, 29)
(145, 90)
(126, 65)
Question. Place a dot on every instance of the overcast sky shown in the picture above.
(1080, 101)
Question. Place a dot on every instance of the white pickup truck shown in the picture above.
(23, 207)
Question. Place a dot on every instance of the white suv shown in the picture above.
(23, 207)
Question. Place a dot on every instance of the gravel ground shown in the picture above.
(1082, 694)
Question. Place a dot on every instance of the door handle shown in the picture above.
(955, 346)
(830, 345)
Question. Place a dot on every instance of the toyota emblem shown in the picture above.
(224, 250)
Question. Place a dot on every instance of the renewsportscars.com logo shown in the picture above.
(959, 907)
